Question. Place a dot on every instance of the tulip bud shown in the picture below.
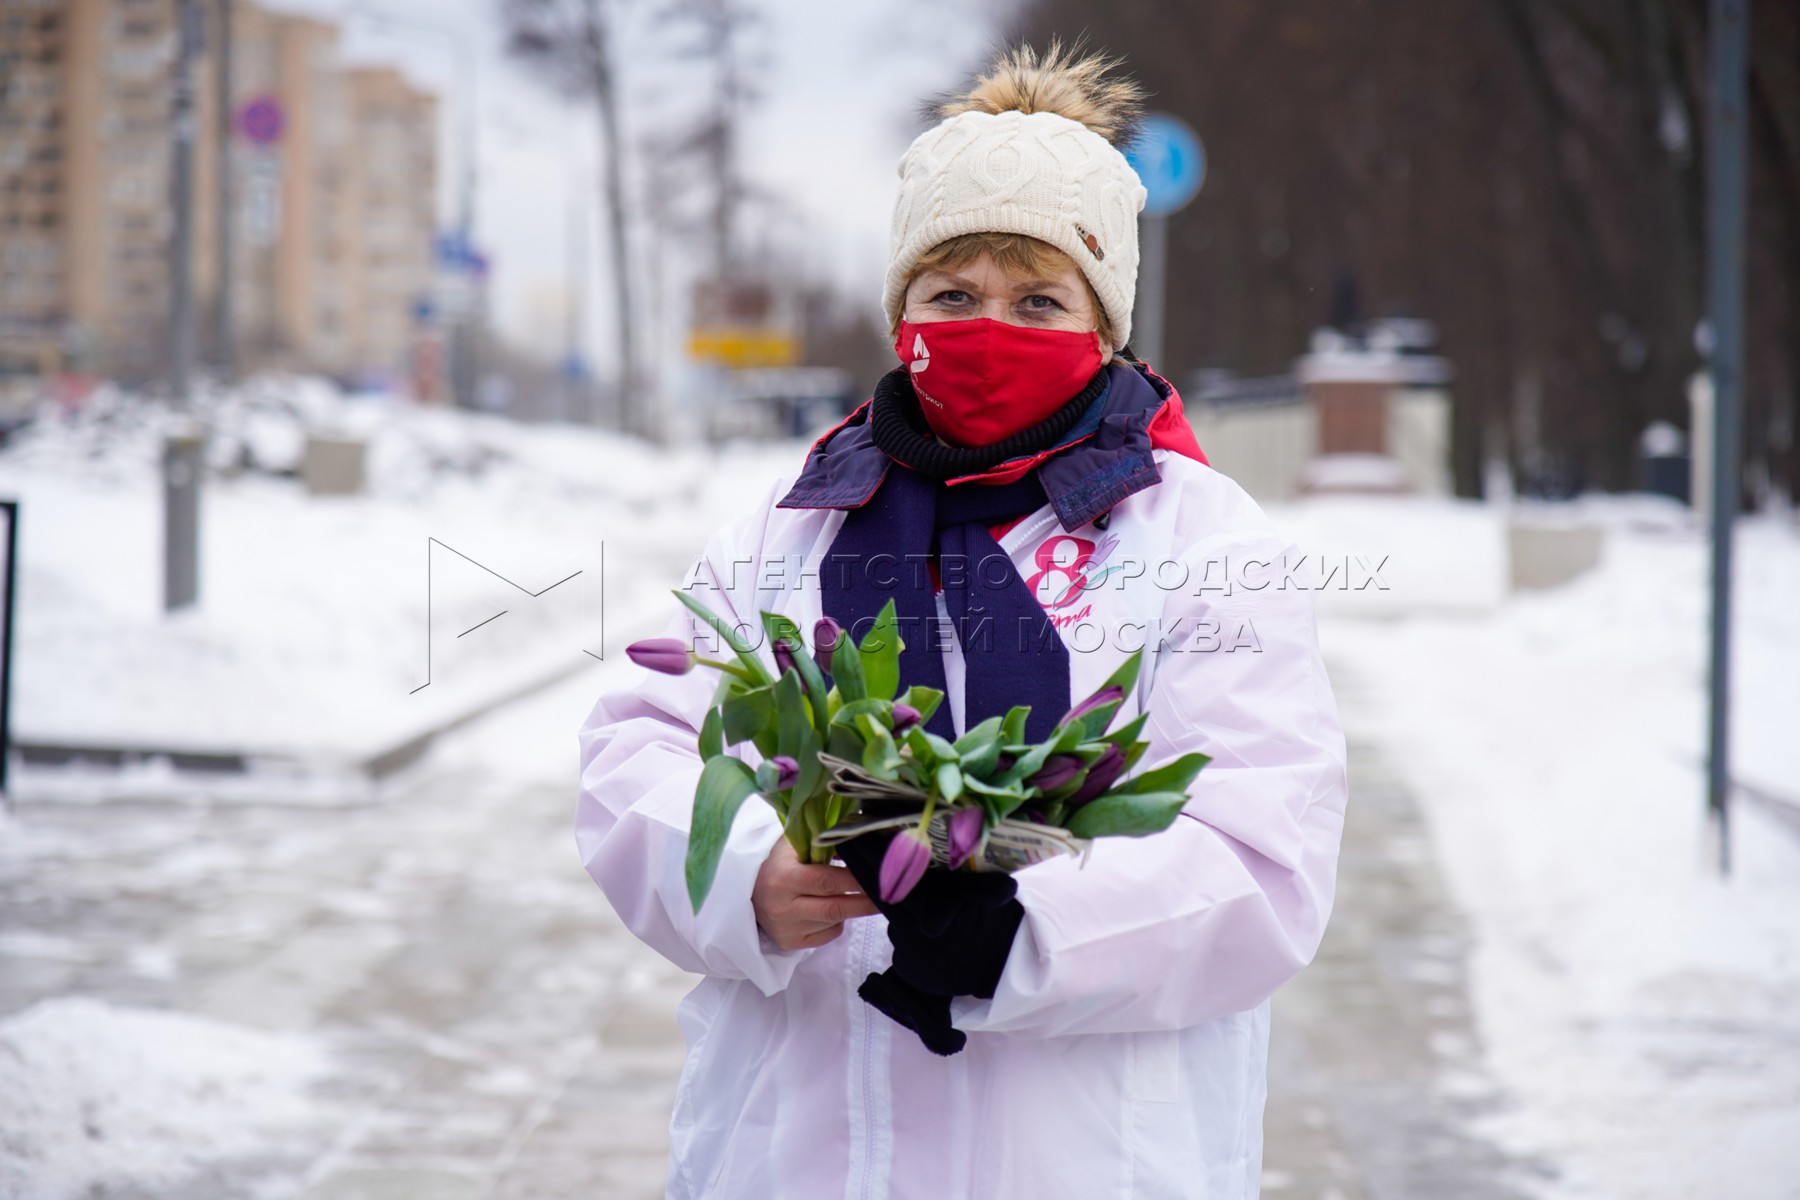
(784, 656)
(964, 834)
(1103, 772)
(905, 717)
(904, 865)
(787, 771)
(826, 633)
(668, 655)
(1056, 772)
(1100, 699)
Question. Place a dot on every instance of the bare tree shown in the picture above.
(1525, 172)
(720, 27)
(570, 43)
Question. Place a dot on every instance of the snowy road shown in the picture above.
(417, 998)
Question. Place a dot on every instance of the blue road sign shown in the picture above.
(1170, 161)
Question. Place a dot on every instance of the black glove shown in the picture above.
(951, 936)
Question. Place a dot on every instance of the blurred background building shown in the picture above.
(332, 179)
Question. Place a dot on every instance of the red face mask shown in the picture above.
(980, 381)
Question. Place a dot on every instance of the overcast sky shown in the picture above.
(842, 82)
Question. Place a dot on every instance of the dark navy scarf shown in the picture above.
(1012, 653)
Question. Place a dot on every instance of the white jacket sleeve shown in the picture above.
(1214, 914)
(639, 764)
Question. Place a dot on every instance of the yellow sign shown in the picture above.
(728, 347)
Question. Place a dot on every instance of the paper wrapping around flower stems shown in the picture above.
(1010, 845)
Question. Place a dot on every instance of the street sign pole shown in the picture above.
(1153, 269)
(1725, 313)
(224, 331)
(1171, 163)
(181, 455)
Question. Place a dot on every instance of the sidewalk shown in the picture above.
(421, 997)
(1375, 1079)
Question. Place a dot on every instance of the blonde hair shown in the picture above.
(1017, 255)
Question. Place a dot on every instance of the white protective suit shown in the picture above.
(1124, 1052)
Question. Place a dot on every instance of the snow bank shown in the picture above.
(94, 1097)
(310, 640)
(1640, 1011)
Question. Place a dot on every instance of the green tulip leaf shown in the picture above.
(880, 653)
(1174, 776)
(1127, 733)
(845, 742)
(812, 771)
(949, 780)
(1012, 726)
(747, 714)
(847, 671)
(941, 750)
(880, 758)
(791, 724)
(725, 783)
(712, 734)
(881, 710)
(1127, 814)
(923, 752)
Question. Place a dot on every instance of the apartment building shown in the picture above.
(334, 212)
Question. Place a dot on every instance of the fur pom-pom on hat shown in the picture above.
(1063, 81)
(1032, 148)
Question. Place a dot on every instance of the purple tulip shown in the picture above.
(905, 717)
(1056, 772)
(826, 633)
(1005, 761)
(668, 655)
(787, 771)
(784, 656)
(1102, 774)
(904, 865)
(965, 834)
(1100, 699)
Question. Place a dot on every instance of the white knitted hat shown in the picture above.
(1037, 174)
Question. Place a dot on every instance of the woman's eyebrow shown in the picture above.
(1040, 285)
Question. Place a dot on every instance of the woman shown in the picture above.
(1033, 500)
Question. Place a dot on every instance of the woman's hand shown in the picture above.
(798, 905)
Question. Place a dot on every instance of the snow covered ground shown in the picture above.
(1641, 1014)
(309, 643)
(160, 950)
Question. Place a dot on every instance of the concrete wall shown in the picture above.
(1419, 436)
(1263, 447)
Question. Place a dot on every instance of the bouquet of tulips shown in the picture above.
(845, 752)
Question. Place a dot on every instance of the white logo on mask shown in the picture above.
(921, 356)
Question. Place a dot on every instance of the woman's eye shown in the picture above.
(1042, 304)
(950, 297)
